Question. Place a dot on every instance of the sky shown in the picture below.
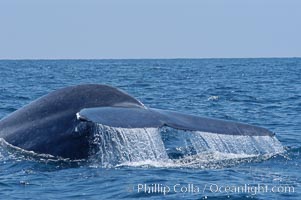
(97, 29)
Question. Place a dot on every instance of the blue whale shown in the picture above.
(60, 123)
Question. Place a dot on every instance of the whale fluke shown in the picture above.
(121, 117)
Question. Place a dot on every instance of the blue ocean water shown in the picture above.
(263, 92)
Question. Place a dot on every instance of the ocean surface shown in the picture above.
(166, 163)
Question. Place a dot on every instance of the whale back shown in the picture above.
(47, 125)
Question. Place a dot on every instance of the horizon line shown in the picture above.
(167, 58)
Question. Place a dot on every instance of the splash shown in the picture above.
(235, 144)
(119, 145)
(167, 147)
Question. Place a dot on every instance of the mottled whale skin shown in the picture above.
(59, 123)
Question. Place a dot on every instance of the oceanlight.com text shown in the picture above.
(252, 189)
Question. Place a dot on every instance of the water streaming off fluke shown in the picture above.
(170, 147)
(118, 145)
(235, 144)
